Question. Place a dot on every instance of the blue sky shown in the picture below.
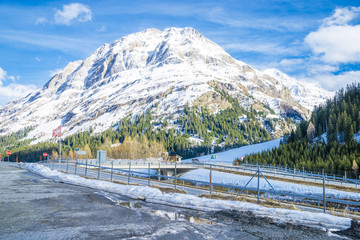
(316, 41)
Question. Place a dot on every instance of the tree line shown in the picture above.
(327, 141)
(144, 136)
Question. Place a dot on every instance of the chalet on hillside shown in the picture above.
(175, 158)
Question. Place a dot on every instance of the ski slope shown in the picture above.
(229, 156)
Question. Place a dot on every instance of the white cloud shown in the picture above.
(336, 44)
(73, 12)
(336, 41)
(12, 91)
(15, 90)
(342, 16)
(334, 82)
(41, 20)
(38, 59)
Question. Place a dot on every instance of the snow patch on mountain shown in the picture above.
(155, 70)
(307, 94)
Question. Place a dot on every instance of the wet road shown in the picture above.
(32, 207)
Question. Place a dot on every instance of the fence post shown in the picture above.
(210, 179)
(258, 185)
(112, 169)
(175, 176)
(159, 172)
(86, 167)
(324, 195)
(75, 165)
(294, 172)
(67, 164)
(99, 169)
(149, 174)
(129, 172)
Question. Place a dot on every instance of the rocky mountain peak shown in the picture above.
(167, 69)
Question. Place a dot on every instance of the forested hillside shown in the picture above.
(195, 132)
(328, 140)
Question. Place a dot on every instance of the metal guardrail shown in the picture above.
(271, 192)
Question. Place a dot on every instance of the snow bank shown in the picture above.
(154, 195)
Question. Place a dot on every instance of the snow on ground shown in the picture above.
(238, 180)
(139, 172)
(323, 137)
(228, 157)
(154, 195)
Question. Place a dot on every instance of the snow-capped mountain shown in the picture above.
(157, 70)
(307, 94)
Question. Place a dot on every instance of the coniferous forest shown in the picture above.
(327, 141)
(144, 136)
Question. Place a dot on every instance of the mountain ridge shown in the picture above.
(169, 68)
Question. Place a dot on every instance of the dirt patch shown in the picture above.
(170, 190)
(248, 220)
(352, 232)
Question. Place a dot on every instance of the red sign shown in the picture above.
(8, 153)
(45, 154)
(57, 132)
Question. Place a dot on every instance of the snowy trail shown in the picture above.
(154, 195)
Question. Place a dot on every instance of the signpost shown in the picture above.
(8, 153)
(45, 154)
(79, 153)
(101, 157)
(57, 133)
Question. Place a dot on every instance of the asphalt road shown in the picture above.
(33, 207)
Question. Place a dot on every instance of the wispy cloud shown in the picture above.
(101, 29)
(2, 75)
(240, 20)
(261, 47)
(54, 72)
(73, 12)
(61, 43)
(41, 20)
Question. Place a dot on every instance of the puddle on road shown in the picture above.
(169, 215)
(175, 216)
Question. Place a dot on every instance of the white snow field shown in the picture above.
(238, 180)
(229, 156)
(154, 195)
